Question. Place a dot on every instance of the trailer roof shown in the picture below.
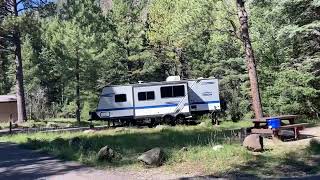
(159, 83)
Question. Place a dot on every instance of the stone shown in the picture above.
(315, 142)
(106, 154)
(183, 149)
(58, 141)
(153, 157)
(120, 129)
(75, 141)
(161, 127)
(253, 142)
(217, 147)
(52, 125)
(89, 131)
(69, 125)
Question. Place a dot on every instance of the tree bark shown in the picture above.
(250, 59)
(78, 89)
(21, 107)
(183, 66)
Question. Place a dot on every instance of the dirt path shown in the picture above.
(17, 163)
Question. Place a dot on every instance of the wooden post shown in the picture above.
(10, 127)
(250, 59)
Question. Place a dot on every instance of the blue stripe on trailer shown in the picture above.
(205, 102)
(157, 106)
(141, 107)
(115, 109)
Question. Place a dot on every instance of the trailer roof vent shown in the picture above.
(173, 78)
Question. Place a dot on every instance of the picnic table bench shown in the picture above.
(261, 127)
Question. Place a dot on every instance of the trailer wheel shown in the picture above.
(152, 123)
(169, 120)
(180, 119)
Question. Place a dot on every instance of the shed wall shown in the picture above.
(8, 109)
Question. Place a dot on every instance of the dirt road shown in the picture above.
(17, 163)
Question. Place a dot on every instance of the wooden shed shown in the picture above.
(8, 108)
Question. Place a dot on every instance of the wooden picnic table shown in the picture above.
(290, 118)
(263, 129)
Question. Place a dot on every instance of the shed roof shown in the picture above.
(8, 98)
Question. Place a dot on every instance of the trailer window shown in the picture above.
(172, 91)
(143, 96)
(150, 95)
(178, 91)
(120, 98)
(166, 92)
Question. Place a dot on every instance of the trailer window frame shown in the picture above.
(146, 96)
(118, 98)
(172, 91)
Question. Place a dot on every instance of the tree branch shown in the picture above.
(235, 31)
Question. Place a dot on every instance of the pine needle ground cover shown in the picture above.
(200, 158)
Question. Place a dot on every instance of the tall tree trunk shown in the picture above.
(183, 66)
(250, 59)
(78, 90)
(21, 107)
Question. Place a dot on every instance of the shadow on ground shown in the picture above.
(17, 163)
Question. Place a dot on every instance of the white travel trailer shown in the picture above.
(169, 101)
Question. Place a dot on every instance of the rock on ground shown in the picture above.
(52, 125)
(153, 157)
(253, 142)
(217, 147)
(315, 142)
(106, 153)
(161, 127)
(74, 141)
(89, 131)
(183, 149)
(58, 140)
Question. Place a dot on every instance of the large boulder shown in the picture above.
(106, 154)
(75, 141)
(314, 145)
(58, 141)
(153, 157)
(253, 142)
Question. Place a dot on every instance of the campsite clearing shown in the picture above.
(201, 158)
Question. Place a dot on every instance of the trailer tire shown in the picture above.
(180, 119)
(167, 119)
(152, 123)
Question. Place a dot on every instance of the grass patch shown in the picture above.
(232, 160)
